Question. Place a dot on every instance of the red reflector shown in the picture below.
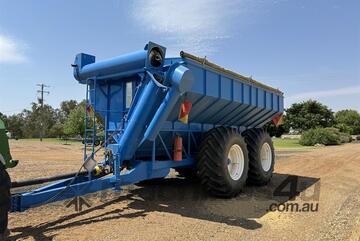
(278, 119)
(185, 109)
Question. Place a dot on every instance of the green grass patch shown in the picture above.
(278, 142)
(287, 144)
(55, 140)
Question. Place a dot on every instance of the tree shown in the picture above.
(38, 119)
(57, 130)
(67, 106)
(65, 109)
(75, 123)
(14, 124)
(309, 114)
(348, 121)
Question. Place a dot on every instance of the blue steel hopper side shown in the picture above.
(138, 97)
(222, 97)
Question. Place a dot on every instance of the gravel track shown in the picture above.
(177, 209)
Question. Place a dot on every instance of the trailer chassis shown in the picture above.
(82, 185)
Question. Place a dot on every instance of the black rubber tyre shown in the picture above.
(259, 174)
(5, 198)
(213, 162)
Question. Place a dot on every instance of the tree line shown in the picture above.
(311, 114)
(68, 120)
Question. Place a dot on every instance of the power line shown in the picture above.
(41, 102)
(42, 91)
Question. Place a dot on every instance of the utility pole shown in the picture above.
(41, 102)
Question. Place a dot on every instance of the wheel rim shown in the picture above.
(266, 157)
(235, 162)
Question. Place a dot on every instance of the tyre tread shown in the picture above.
(253, 138)
(209, 167)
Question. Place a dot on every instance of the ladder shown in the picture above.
(90, 131)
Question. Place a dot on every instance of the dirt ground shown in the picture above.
(177, 209)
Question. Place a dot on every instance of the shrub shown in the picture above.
(350, 118)
(344, 128)
(325, 136)
(345, 137)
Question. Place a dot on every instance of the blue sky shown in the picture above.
(308, 49)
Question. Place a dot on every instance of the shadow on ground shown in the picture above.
(183, 197)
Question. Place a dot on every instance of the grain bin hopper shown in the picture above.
(159, 113)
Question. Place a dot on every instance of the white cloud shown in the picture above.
(194, 26)
(11, 50)
(351, 90)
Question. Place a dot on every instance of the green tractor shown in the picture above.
(5, 182)
(5, 156)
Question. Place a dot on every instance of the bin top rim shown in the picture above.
(204, 61)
